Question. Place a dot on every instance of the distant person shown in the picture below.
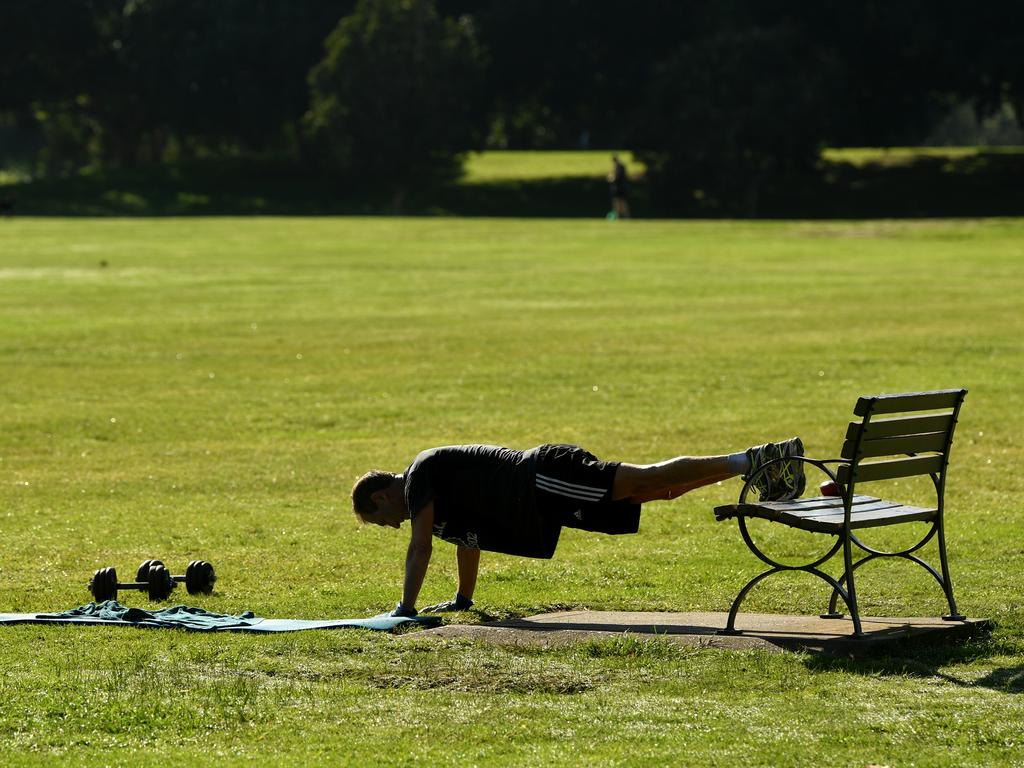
(484, 497)
(618, 181)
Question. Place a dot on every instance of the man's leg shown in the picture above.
(672, 478)
(782, 480)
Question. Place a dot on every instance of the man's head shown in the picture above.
(378, 497)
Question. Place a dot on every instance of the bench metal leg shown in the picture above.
(832, 613)
(945, 581)
(730, 627)
(942, 579)
(776, 567)
(851, 589)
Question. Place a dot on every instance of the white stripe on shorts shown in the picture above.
(570, 490)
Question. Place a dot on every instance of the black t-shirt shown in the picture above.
(483, 498)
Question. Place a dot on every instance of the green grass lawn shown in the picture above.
(902, 156)
(210, 388)
(501, 166)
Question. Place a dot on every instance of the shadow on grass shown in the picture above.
(927, 662)
(986, 183)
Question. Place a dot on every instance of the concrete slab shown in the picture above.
(758, 630)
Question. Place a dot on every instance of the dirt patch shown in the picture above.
(764, 631)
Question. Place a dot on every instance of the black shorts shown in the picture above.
(574, 488)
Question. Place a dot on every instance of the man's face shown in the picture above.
(390, 511)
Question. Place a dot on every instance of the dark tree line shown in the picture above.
(716, 95)
(125, 82)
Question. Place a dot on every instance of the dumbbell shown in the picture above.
(199, 577)
(158, 583)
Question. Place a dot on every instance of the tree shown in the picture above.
(724, 114)
(47, 62)
(561, 70)
(225, 77)
(395, 97)
(114, 82)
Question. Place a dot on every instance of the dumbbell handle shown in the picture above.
(134, 585)
(198, 578)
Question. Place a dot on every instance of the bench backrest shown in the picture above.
(924, 429)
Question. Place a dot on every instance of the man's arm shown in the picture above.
(469, 565)
(418, 556)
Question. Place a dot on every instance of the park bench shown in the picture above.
(913, 438)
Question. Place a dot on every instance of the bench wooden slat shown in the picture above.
(901, 425)
(910, 401)
(881, 509)
(892, 516)
(807, 508)
(867, 512)
(889, 470)
(819, 504)
(890, 446)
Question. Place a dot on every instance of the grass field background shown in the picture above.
(210, 388)
(517, 165)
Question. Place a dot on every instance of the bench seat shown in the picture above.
(824, 514)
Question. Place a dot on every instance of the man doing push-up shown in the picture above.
(484, 497)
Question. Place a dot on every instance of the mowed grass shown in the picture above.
(897, 156)
(210, 388)
(518, 165)
(521, 165)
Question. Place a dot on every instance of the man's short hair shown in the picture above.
(367, 485)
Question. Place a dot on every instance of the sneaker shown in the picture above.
(782, 480)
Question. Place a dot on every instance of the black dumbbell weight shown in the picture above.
(158, 584)
(199, 577)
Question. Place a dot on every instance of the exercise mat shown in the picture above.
(112, 613)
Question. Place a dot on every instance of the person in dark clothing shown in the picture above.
(618, 182)
(485, 497)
